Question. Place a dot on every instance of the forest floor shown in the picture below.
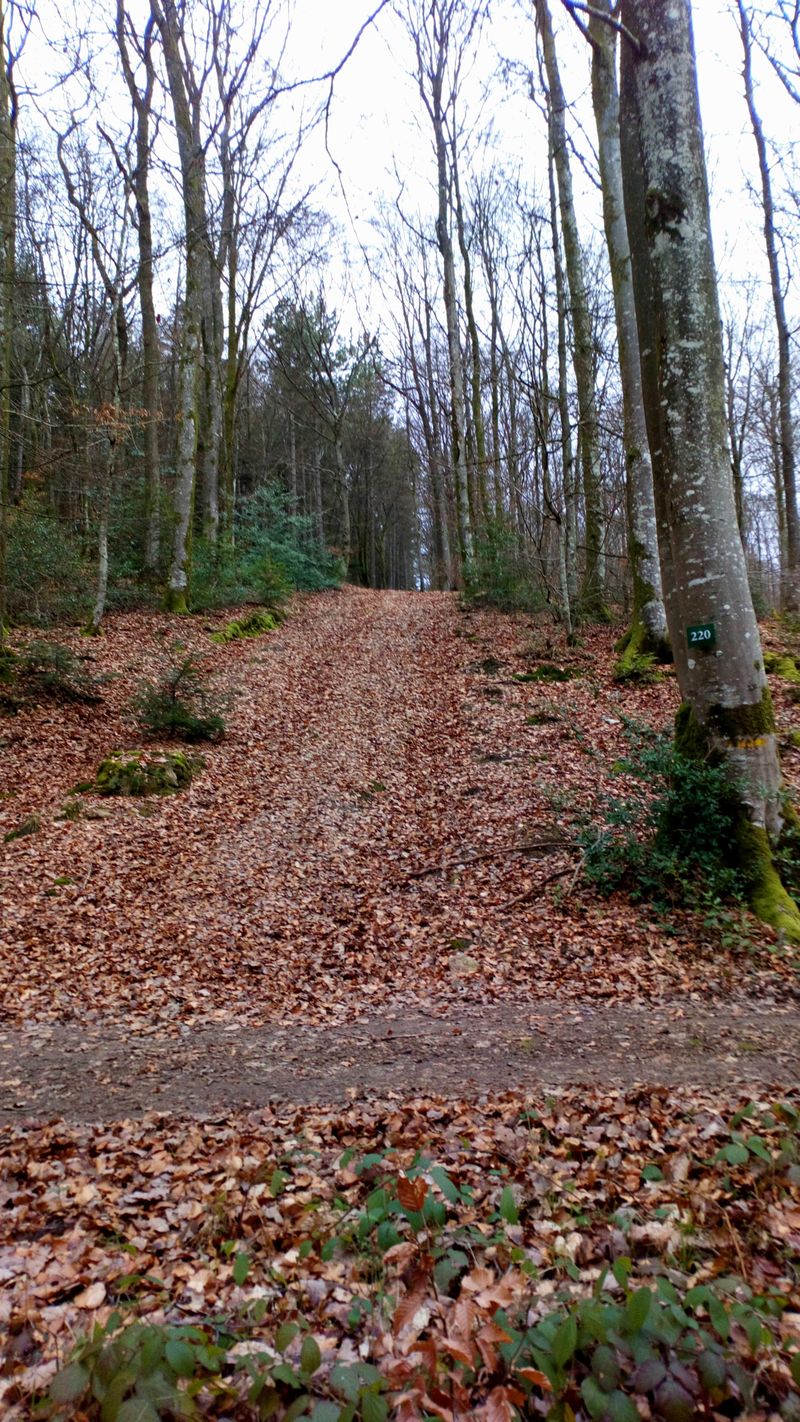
(364, 917)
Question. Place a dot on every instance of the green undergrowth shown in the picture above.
(441, 1302)
(668, 839)
(180, 702)
(146, 772)
(499, 573)
(547, 672)
(46, 671)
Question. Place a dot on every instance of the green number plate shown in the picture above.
(704, 635)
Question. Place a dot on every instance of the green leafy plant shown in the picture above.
(274, 553)
(673, 1348)
(180, 703)
(669, 840)
(46, 577)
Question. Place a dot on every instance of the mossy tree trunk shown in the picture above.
(648, 630)
(727, 703)
(593, 593)
(8, 232)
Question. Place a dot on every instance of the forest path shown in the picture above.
(104, 1074)
(369, 887)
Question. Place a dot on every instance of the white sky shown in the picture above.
(380, 138)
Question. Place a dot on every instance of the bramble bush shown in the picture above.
(668, 841)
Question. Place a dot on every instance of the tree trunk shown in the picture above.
(201, 271)
(791, 582)
(8, 231)
(151, 353)
(727, 708)
(185, 465)
(478, 428)
(569, 531)
(648, 630)
(593, 597)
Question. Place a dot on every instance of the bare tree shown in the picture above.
(594, 579)
(787, 472)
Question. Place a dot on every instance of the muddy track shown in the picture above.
(106, 1074)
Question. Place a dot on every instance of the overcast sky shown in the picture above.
(381, 142)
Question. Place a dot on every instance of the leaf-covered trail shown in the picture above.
(380, 835)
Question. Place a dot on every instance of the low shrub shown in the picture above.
(179, 703)
(47, 579)
(669, 840)
(49, 670)
(274, 552)
(146, 772)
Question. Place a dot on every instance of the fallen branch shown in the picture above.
(535, 889)
(442, 868)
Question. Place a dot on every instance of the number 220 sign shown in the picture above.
(702, 636)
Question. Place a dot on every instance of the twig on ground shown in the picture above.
(535, 889)
(446, 864)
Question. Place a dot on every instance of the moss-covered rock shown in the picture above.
(146, 772)
(253, 624)
(30, 825)
(547, 672)
(782, 665)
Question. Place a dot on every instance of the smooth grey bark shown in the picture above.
(202, 277)
(435, 45)
(8, 235)
(593, 596)
(568, 481)
(727, 704)
(177, 591)
(788, 474)
(142, 103)
(649, 620)
(478, 428)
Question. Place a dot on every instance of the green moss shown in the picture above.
(547, 672)
(146, 772)
(31, 825)
(175, 600)
(767, 896)
(734, 724)
(783, 666)
(253, 624)
(639, 654)
(691, 739)
(743, 723)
